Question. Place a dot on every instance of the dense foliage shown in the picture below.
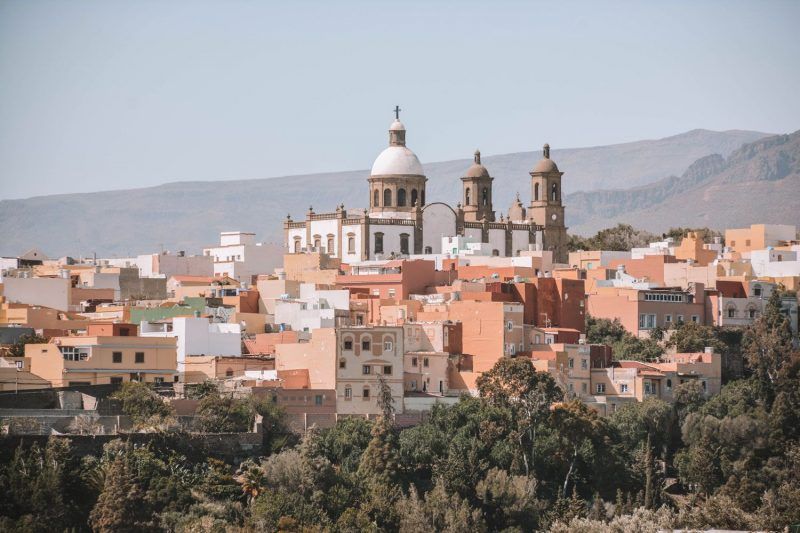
(519, 458)
(623, 237)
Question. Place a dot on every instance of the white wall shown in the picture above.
(346, 256)
(391, 239)
(497, 240)
(198, 336)
(438, 221)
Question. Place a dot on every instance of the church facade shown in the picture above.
(399, 222)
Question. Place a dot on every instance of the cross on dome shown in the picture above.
(397, 112)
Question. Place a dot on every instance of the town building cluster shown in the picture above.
(422, 297)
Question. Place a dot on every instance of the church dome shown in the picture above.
(545, 164)
(477, 170)
(397, 160)
(397, 126)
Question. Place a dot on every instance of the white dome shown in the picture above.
(397, 125)
(397, 160)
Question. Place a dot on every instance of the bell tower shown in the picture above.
(546, 208)
(477, 192)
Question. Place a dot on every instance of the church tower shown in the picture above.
(546, 208)
(477, 192)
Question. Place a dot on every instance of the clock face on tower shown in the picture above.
(554, 216)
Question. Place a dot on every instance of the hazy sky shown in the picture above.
(111, 94)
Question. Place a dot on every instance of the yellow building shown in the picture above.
(100, 360)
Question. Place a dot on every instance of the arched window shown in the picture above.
(485, 196)
(414, 197)
(351, 243)
(751, 312)
(731, 311)
(401, 198)
(495, 252)
(387, 198)
(317, 242)
(297, 245)
(229, 373)
(554, 193)
(330, 244)
(535, 192)
(428, 250)
(466, 197)
(376, 198)
(422, 197)
(378, 248)
(404, 243)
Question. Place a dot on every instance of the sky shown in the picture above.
(109, 94)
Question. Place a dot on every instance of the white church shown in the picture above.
(399, 222)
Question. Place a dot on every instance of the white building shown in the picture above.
(773, 263)
(313, 309)
(197, 336)
(241, 257)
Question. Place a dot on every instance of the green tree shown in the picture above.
(218, 414)
(141, 402)
(576, 425)
(768, 346)
(120, 506)
(515, 384)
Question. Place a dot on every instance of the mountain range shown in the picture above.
(699, 177)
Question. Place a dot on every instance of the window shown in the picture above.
(116, 357)
(466, 197)
(584, 364)
(413, 384)
(669, 384)
(583, 388)
(554, 193)
(401, 198)
(318, 399)
(378, 248)
(667, 319)
(571, 387)
(366, 393)
(509, 325)
(71, 353)
(139, 358)
(342, 363)
(116, 381)
(733, 243)
(705, 386)
(757, 290)
(731, 312)
(751, 312)
(376, 196)
(425, 362)
(404, 243)
(695, 319)
(348, 344)
(648, 387)
(387, 346)
(536, 192)
(647, 321)
(366, 369)
(485, 197)
(387, 370)
(351, 244)
(392, 293)
(348, 393)
(413, 197)
(297, 245)
(413, 361)
(317, 242)
(158, 379)
(229, 373)
(387, 198)
(679, 319)
(600, 388)
(365, 344)
(329, 249)
(571, 362)
(747, 242)
(623, 387)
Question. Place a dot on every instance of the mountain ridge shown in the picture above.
(189, 214)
